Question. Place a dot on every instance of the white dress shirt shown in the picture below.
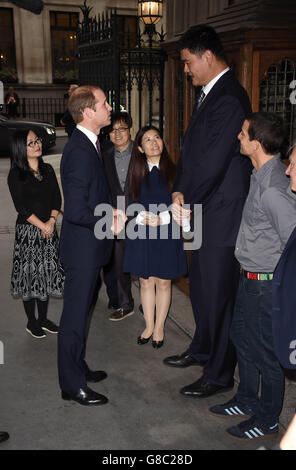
(164, 216)
(89, 134)
(207, 88)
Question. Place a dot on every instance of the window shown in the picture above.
(275, 94)
(127, 30)
(63, 26)
(7, 48)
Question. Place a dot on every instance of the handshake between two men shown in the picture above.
(179, 214)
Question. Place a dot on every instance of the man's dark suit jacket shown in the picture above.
(211, 170)
(108, 153)
(85, 186)
(284, 305)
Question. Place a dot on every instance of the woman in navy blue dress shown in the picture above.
(155, 253)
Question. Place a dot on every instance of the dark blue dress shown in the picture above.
(158, 254)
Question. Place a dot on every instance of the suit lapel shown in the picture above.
(215, 91)
(114, 171)
(87, 143)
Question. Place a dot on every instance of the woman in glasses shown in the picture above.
(36, 272)
(154, 255)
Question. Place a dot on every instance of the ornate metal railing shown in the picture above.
(122, 67)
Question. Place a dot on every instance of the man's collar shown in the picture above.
(207, 88)
(128, 148)
(90, 134)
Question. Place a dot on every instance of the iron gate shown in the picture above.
(120, 67)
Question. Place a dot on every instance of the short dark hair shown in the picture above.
(269, 129)
(201, 38)
(117, 116)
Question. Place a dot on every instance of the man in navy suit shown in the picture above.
(82, 253)
(284, 291)
(212, 172)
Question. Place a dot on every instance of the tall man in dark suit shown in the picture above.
(82, 253)
(116, 156)
(212, 172)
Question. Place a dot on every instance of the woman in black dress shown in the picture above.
(36, 272)
(154, 256)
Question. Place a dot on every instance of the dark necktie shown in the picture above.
(99, 150)
(199, 100)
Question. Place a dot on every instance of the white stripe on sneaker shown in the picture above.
(273, 427)
(228, 412)
(248, 435)
(259, 432)
(239, 411)
(233, 411)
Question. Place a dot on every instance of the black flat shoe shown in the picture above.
(157, 344)
(141, 340)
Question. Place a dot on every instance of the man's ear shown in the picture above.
(88, 112)
(208, 56)
(256, 144)
(140, 148)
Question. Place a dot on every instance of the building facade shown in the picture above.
(259, 38)
(38, 53)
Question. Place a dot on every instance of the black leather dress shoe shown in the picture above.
(202, 389)
(85, 397)
(95, 376)
(183, 360)
(4, 436)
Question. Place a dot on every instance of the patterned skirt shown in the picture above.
(37, 272)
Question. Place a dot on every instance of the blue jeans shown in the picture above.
(251, 334)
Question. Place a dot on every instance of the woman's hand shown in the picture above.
(48, 228)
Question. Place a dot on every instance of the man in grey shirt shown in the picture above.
(116, 156)
(268, 219)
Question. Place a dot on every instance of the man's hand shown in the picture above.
(119, 219)
(179, 214)
(152, 219)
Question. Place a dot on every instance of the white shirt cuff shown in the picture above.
(165, 218)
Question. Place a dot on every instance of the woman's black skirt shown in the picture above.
(37, 272)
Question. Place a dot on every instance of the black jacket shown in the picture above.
(115, 188)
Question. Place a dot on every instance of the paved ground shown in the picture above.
(145, 410)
